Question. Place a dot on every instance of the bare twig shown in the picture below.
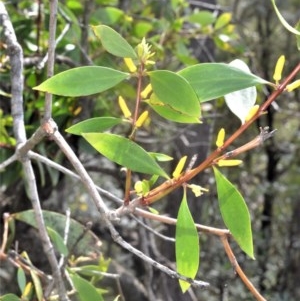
(238, 269)
(15, 53)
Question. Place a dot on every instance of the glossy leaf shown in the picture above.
(213, 80)
(113, 42)
(82, 81)
(85, 290)
(240, 102)
(173, 90)
(94, 125)
(187, 244)
(234, 212)
(80, 240)
(124, 152)
(167, 112)
(57, 241)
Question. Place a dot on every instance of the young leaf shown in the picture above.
(173, 90)
(113, 42)
(124, 152)
(86, 291)
(94, 125)
(213, 80)
(57, 241)
(82, 81)
(85, 242)
(187, 244)
(234, 212)
(21, 279)
(241, 101)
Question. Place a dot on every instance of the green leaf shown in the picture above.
(57, 241)
(21, 279)
(82, 81)
(175, 91)
(124, 152)
(86, 291)
(223, 20)
(94, 125)
(203, 18)
(160, 157)
(235, 213)
(9, 297)
(213, 80)
(240, 102)
(80, 240)
(167, 112)
(187, 244)
(108, 15)
(283, 21)
(113, 42)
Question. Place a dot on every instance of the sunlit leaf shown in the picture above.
(124, 152)
(82, 81)
(113, 42)
(234, 212)
(94, 125)
(80, 240)
(213, 80)
(241, 101)
(187, 244)
(223, 20)
(85, 290)
(175, 91)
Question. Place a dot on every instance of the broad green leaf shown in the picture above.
(57, 241)
(86, 291)
(186, 245)
(168, 112)
(203, 18)
(82, 81)
(234, 212)
(175, 91)
(94, 125)
(21, 279)
(9, 297)
(113, 42)
(213, 80)
(124, 152)
(283, 21)
(108, 15)
(80, 240)
(240, 102)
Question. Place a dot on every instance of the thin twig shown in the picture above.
(238, 269)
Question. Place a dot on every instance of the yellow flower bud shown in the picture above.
(294, 85)
(130, 64)
(179, 167)
(142, 119)
(252, 112)
(27, 291)
(220, 138)
(197, 189)
(229, 162)
(146, 91)
(279, 68)
(124, 107)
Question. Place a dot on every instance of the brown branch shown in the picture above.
(238, 269)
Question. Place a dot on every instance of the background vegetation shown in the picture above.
(181, 33)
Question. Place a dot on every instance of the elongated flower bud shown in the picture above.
(130, 64)
(229, 162)
(142, 119)
(179, 167)
(146, 91)
(220, 138)
(294, 85)
(123, 107)
(279, 68)
(252, 112)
